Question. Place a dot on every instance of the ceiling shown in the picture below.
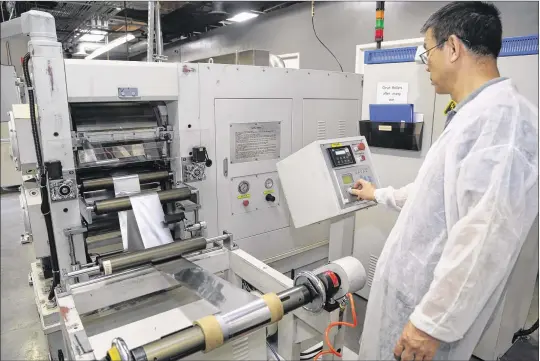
(180, 20)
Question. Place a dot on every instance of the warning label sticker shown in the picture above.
(251, 142)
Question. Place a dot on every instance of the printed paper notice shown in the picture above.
(392, 93)
(252, 142)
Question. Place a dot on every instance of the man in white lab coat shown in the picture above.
(465, 217)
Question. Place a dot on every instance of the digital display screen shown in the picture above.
(341, 156)
(347, 179)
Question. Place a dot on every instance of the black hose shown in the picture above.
(522, 333)
(45, 206)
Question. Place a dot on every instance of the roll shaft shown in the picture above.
(180, 344)
(192, 339)
(123, 203)
(159, 253)
(108, 182)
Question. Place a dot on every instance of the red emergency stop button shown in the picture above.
(245, 203)
(361, 146)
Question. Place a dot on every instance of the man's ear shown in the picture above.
(455, 47)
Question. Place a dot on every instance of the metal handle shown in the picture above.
(225, 167)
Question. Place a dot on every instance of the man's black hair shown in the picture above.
(476, 23)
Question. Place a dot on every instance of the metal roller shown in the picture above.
(159, 253)
(108, 183)
(122, 260)
(190, 340)
(123, 203)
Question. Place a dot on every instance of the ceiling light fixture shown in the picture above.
(94, 35)
(113, 44)
(238, 18)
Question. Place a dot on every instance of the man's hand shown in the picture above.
(415, 344)
(363, 190)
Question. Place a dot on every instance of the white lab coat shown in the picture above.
(462, 224)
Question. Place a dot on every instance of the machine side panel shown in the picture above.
(258, 128)
(219, 81)
(51, 96)
(330, 118)
(100, 80)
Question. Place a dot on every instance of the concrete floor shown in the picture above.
(21, 337)
(21, 334)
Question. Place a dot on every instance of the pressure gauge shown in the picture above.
(243, 187)
(269, 183)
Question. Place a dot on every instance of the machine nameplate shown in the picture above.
(255, 141)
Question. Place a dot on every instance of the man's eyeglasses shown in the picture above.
(424, 56)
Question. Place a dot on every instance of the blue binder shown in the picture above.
(391, 113)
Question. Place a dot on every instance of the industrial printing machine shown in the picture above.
(139, 175)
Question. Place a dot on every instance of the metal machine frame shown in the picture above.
(295, 328)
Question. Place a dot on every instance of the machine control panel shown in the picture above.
(254, 192)
(331, 167)
(348, 162)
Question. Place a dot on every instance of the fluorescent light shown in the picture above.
(113, 44)
(92, 37)
(242, 17)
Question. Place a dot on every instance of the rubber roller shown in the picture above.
(123, 203)
(159, 253)
(108, 182)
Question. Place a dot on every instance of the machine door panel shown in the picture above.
(330, 118)
(252, 135)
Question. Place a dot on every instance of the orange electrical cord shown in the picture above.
(331, 349)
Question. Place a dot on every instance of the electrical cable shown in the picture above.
(522, 332)
(45, 206)
(309, 356)
(317, 36)
(312, 350)
(331, 349)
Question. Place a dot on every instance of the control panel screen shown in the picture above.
(347, 179)
(341, 156)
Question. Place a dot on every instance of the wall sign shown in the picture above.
(392, 93)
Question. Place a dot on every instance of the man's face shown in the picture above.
(437, 64)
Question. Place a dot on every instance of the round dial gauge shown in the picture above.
(243, 187)
(269, 183)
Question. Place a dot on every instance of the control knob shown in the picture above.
(270, 198)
